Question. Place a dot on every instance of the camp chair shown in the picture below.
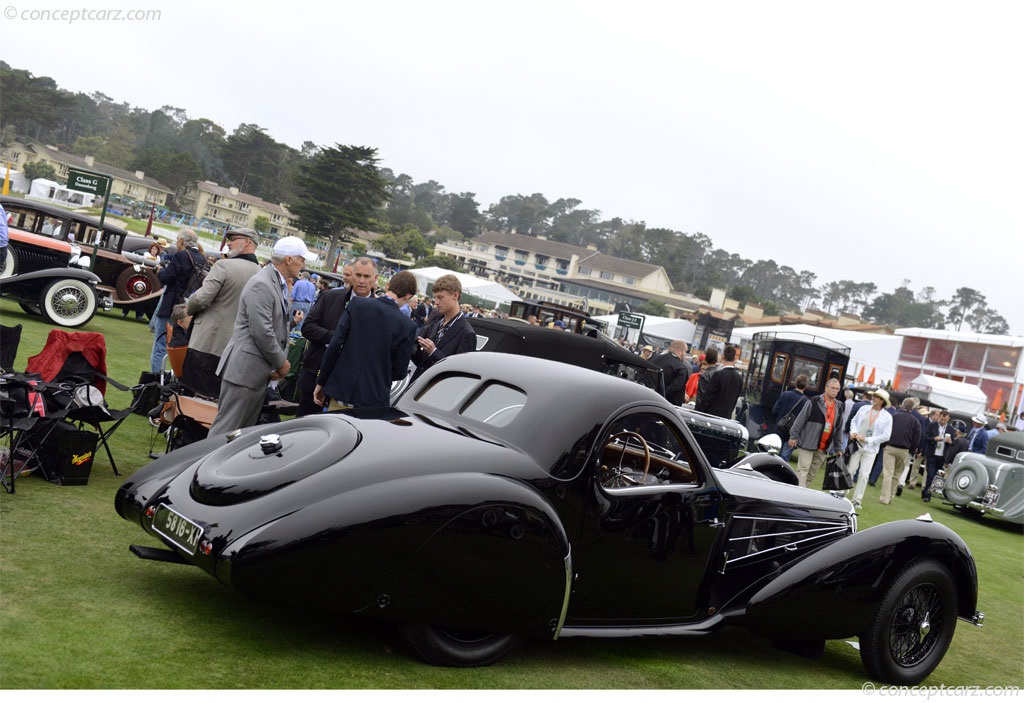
(28, 415)
(79, 359)
(175, 355)
(188, 419)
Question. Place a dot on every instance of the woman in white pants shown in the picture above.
(870, 428)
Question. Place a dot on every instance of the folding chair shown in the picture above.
(25, 426)
(79, 359)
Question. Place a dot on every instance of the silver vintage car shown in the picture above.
(987, 484)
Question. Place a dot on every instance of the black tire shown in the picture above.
(439, 646)
(913, 626)
(132, 284)
(10, 264)
(30, 308)
(68, 302)
(965, 482)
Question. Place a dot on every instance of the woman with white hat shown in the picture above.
(869, 429)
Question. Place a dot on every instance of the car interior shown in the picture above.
(643, 449)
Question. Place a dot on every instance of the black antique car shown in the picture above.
(507, 496)
(45, 276)
(114, 255)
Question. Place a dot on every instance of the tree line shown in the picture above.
(337, 188)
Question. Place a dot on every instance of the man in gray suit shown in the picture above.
(257, 351)
(214, 308)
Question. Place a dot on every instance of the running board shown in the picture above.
(155, 554)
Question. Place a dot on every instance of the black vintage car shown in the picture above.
(45, 276)
(508, 496)
(114, 255)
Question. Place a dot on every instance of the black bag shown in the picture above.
(836, 477)
(63, 453)
(195, 281)
(150, 394)
(786, 423)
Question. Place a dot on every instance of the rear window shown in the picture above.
(495, 404)
(491, 403)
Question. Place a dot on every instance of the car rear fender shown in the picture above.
(443, 549)
(836, 591)
(139, 490)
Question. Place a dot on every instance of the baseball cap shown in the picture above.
(293, 246)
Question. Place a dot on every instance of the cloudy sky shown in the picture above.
(874, 141)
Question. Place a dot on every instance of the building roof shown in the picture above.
(77, 161)
(225, 192)
(615, 264)
(996, 340)
(525, 242)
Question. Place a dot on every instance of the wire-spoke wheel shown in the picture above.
(68, 302)
(913, 627)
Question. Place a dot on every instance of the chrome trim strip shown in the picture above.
(784, 519)
(787, 547)
(565, 598)
(793, 532)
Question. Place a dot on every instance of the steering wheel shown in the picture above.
(620, 477)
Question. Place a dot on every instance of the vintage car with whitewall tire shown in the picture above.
(990, 484)
(508, 497)
(45, 277)
(113, 254)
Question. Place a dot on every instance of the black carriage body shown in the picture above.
(482, 501)
(776, 359)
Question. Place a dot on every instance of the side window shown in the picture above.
(644, 449)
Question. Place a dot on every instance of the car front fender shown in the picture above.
(50, 274)
(836, 591)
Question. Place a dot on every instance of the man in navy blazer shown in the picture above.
(370, 349)
(449, 333)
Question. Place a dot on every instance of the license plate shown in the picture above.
(177, 528)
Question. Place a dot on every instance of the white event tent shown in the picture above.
(877, 352)
(656, 329)
(480, 287)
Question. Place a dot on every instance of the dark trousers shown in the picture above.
(307, 382)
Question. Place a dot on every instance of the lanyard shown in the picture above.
(444, 328)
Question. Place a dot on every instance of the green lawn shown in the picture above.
(78, 611)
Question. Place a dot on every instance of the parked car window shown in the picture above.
(447, 392)
(644, 449)
(495, 404)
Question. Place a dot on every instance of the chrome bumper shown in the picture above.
(977, 619)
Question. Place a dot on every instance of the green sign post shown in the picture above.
(631, 321)
(96, 184)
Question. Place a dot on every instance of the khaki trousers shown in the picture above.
(893, 462)
(807, 464)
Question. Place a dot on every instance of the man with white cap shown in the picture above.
(977, 438)
(257, 352)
